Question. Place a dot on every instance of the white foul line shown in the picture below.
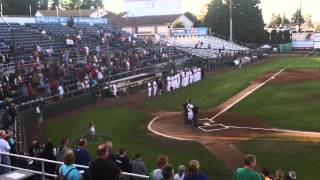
(247, 94)
(164, 135)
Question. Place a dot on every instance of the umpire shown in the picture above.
(185, 112)
(195, 116)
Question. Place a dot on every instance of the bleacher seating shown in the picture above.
(210, 48)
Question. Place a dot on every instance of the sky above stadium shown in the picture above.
(268, 7)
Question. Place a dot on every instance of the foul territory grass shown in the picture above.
(302, 157)
(289, 106)
(216, 89)
(128, 128)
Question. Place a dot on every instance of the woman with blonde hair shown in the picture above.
(68, 171)
(194, 172)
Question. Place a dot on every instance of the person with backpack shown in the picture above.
(68, 171)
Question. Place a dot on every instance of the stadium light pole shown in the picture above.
(231, 23)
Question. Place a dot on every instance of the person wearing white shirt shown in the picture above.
(149, 89)
(4, 148)
(155, 88)
(181, 173)
(60, 92)
(190, 112)
(114, 90)
(168, 83)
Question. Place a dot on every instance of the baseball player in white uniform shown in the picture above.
(168, 83)
(155, 87)
(149, 89)
(190, 112)
(114, 90)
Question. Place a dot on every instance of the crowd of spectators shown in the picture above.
(107, 164)
(58, 72)
(249, 172)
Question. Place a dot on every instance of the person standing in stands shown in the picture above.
(82, 157)
(194, 172)
(138, 167)
(4, 148)
(68, 171)
(49, 153)
(181, 173)
(103, 168)
(162, 162)
(247, 172)
(63, 149)
(111, 155)
(123, 162)
(167, 172)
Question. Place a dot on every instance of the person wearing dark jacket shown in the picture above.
(193, 172)
(195, 116)
(48, 153)
(185, 112)
(123, 161)
(103, 168)
(138, 166)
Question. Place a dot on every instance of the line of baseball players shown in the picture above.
(175, 81)
(183, 78)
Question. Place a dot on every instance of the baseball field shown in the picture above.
(269, 108)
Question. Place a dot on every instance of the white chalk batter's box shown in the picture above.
(209, 125)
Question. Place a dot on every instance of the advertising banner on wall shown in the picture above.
(189, 31)
(302, 40)
(77, 20)
(316, 39)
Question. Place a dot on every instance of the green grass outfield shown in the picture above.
(128, 128)
(216, 89)
(288, 106)
(302, 157)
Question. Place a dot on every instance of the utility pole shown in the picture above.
(231, 24)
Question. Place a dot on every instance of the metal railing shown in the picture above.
(43, 161)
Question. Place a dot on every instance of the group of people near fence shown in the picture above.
(155, 87)
(183, 78)
(108, 165)
(175, 81)
(191, 112)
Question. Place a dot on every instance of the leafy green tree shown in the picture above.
(273, 37)
(194, 19)
(43, 4)
(276, 21)
(248, 25)
(217, 17)
(286, 36)
(88, 4)
(298, 19)
(71, 4)
(55, 4)
(280, 37)
(178, 24)
(18, 7)
(285, 20)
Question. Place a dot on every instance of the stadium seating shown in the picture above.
(210, 48)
